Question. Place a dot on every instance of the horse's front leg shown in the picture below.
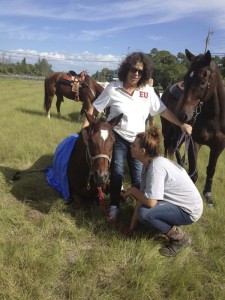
(58, 104)
(210, 171)
(47, 105)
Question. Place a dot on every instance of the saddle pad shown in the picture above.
(176, 91)
(56, 175)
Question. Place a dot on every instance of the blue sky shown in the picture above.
(94, 34)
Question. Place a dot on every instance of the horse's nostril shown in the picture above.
(101, 177)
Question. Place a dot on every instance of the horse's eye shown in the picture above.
(203, 83)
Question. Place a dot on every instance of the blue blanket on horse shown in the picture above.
(56, 175)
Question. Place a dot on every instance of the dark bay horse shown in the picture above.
(201, 104)
(80, 87)
(88, 165)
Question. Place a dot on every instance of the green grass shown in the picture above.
(48, 250)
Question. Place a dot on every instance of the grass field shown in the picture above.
(48, 250)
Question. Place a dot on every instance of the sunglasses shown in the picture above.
(135, 70)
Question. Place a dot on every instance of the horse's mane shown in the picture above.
(220, 93)
(101, 119)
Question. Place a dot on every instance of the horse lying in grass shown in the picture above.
(88, 161)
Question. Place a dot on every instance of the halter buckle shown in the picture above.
(199, 108)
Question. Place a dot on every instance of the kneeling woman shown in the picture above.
(167, 197)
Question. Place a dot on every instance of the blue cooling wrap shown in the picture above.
(56, 175)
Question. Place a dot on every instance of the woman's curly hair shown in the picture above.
(131, 61)
(151, 141)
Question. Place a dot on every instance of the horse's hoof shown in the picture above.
(210, 205)
(209, 201)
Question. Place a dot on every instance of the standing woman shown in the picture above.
(167, 197)
(132, 96)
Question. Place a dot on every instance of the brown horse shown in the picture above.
(88, 165)
(80, 87)
(201, 104)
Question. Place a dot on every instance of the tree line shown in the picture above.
(167, 68)
(40, 68)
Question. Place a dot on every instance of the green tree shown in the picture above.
(102, 75)
(222, 67)
(42, 67)
(167, 68)
(182, 59)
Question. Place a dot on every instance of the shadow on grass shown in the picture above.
(32, 188)
(72, 117)
(30, 185)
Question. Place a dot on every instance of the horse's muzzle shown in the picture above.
(101, 178)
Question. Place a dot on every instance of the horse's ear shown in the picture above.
(91, 119)
(189, 55)
(208, 57)
(84, 133)
(113, 122)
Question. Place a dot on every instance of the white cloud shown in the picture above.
(62, 62)
(122, 14)
(56, 25)
(99, 11)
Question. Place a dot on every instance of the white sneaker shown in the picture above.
(113, 212)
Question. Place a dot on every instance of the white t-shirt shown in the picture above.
(135, 108)
(168, 181)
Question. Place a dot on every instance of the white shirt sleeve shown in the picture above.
(103, 99)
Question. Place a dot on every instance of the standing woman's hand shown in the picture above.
(186, 128)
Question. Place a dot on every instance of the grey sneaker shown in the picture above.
(175, 247)
(113, 212)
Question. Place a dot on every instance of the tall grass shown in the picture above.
(48, 250)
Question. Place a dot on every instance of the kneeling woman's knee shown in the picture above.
(144, 214)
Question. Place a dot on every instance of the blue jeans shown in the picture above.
(163, 216)
(121, 153)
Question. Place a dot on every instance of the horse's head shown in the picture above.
(99, 139)
(197, 86)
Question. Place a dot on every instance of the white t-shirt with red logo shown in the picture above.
(135, 108)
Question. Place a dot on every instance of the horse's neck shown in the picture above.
(88, 80)
(96, 87)
(82, 150)
(219, 97)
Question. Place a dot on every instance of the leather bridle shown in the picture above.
(91, 159)
(198, 108)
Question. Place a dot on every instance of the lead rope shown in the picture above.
(186, 139)
(124, 229)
